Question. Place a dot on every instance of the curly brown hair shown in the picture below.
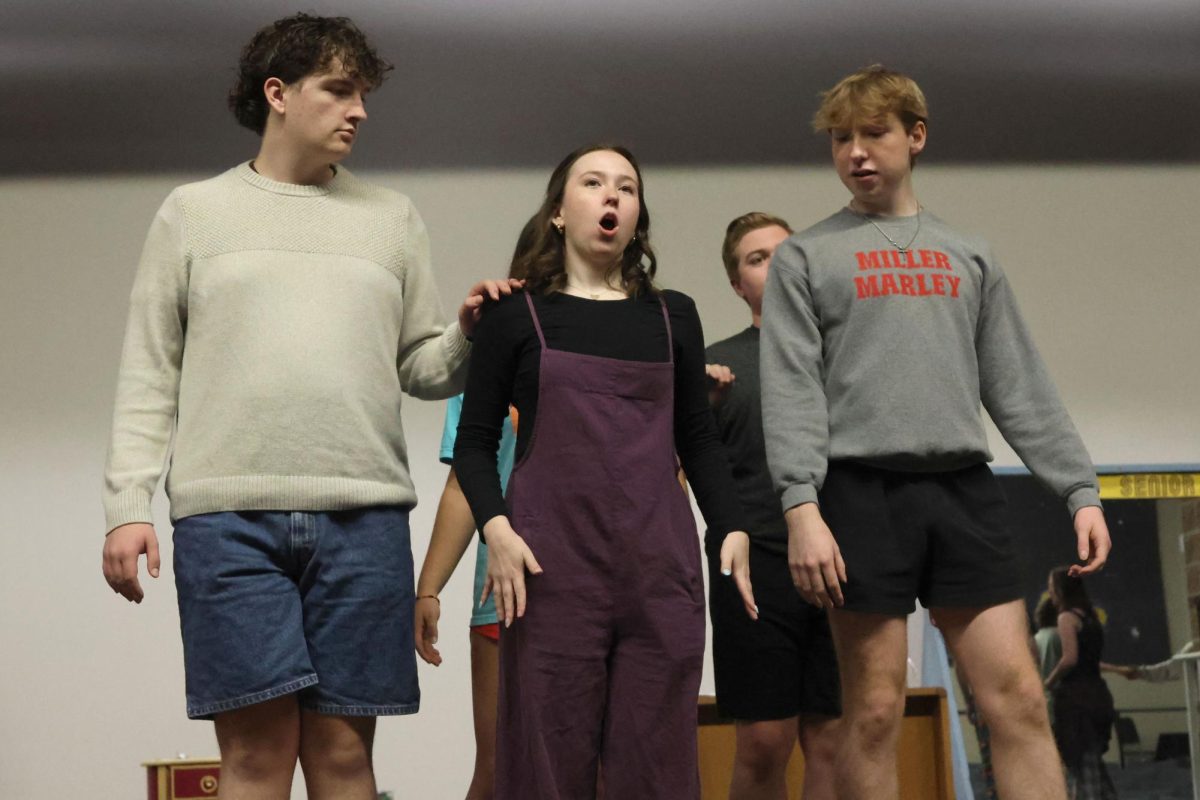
(293, 48)
(540, 257)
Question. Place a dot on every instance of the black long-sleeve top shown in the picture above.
(504, 370)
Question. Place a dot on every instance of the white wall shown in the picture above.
(1102, 259)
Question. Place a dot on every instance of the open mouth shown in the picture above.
(608, 223)
(863, 173)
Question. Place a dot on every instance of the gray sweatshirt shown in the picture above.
(883, 357)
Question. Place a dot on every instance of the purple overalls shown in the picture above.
(604, 668)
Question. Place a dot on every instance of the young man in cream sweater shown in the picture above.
(278, 312)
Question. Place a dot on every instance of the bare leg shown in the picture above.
(259, 745)
(335, 754)
(820, 740)
(760, 763)
(485, 679)
(871, 650)
(992, 646)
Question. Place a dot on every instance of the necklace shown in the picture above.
(903, 248)
(591, 295)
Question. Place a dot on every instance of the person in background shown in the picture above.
(1083, 706)
(776, 676)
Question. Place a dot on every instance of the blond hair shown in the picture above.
(738, 229)
(870, 95)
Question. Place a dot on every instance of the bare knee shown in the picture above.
(258, 762)
(874, 716)
(337, 748)
(1016, 701)
(819, 739)
(763, 748)
(259, 744)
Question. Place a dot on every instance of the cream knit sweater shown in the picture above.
(272, 329)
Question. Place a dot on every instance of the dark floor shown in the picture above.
(1153, 780)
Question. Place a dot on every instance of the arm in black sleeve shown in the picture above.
(490, 380)
(697, 441)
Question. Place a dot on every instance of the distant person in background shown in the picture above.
(1047, 644)
(1083, 706)
(1162, 672)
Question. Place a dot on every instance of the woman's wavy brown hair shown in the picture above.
(540, 257)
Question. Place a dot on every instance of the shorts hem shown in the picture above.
(335, 710)
(891, 609)
(764, 715)
(976, 599)
(210, 710)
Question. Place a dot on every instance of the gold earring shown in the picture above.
(559, 227)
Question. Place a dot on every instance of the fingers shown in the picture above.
(425, 635)
(1099, 556)
(742, 579)
(519, 597)
(833, 587)
(127, 581)
(801, 582)
(817, 586)
(507, 598)
(487, 589)
(1093, 541)
(152, 560)
(531, 563)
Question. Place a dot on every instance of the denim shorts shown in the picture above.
(317, 604)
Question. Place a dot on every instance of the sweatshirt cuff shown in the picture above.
(1083, 497)
(458, 347)
(131, 505)
(798, 494)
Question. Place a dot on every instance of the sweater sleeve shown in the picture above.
(148, 379)
(432, 358)
(794, 409)
(697, 441)
(1017, 392)
(490, 382)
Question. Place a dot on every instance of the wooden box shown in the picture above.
(182, 779)
(923, 759)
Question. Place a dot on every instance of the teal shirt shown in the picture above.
(485, 614)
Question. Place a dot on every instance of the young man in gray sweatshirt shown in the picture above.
(883, 331)
(278, 312)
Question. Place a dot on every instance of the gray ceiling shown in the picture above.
(139, 85)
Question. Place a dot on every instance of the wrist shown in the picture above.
(432, 597)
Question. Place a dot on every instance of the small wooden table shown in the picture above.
(923, 759)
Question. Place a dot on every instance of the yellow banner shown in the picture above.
(1149, 485)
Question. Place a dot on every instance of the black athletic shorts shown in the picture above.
(938, 536)
(779, 666)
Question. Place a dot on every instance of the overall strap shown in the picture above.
(537, 326)
(670, 340)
